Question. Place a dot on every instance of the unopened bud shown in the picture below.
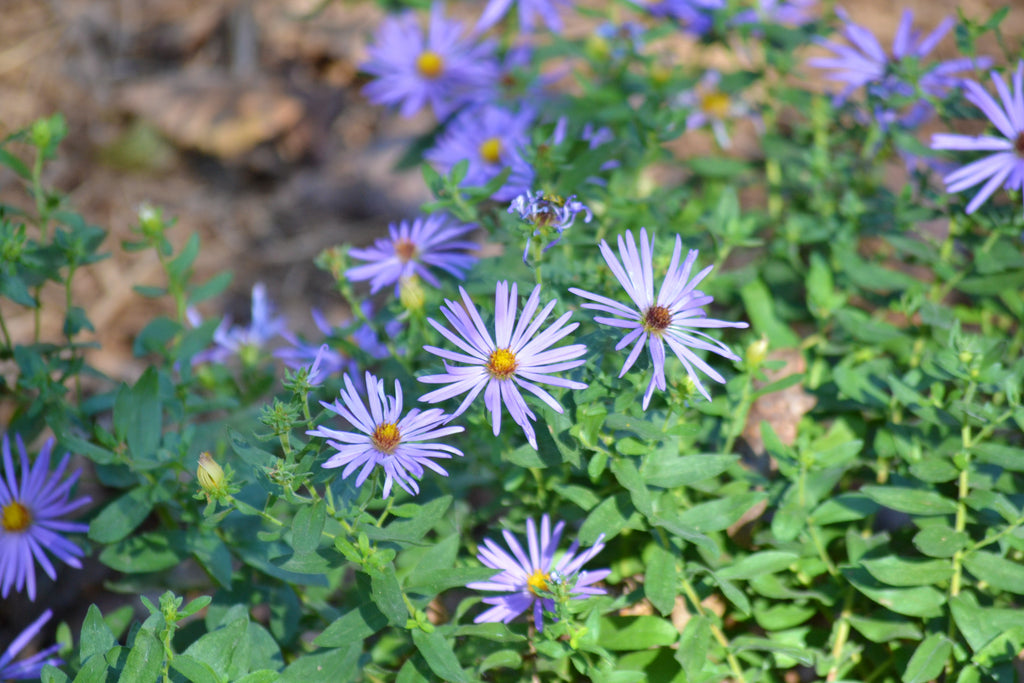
(410, 293)
(210, 474)
(756, 352)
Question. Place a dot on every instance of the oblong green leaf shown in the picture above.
(911, 501)
(998, 572)
(928, 659)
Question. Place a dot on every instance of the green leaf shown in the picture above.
(96, 636)
(920, 601)
(846, 507)
(928, 659)
(693, 646)
(211, 288)
(248, 452)
(783, 616)
(51, 674)
(411, 530)
(686, 470)
(325, 667)
(502, 659)
(610, 517)
(145, 419)
(639, 426)
(732, 593)
(307, 527)
(145, 660)
(225, 650)
(1007, 457)
(149, 552)
(440, 656)
(885, 630)
(121, 516)
(94, 671)
(897, 571)
(661, 583)
(430, 583)
(497, 632)
(743, 643)
(387, 595)
(940, 541)
(1000, 573)
(628, 476)
(911, 501)
(635, 633)
(979, 625)
(759, 305)
(719, 514)
(354, 626)
(766, 562)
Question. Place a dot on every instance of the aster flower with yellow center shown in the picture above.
(526, 579)
(517, 357)
(674, 317)
(712, 106)
(400, 445)
(414, 248)
(444, 68)
(29, 524)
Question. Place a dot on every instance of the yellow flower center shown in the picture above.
(430, 64)
(657, 318)
(386, 438)
(405, 249)
(490, 150)
(502, 364)
(15, 517)
(537, 582)
(715, 104)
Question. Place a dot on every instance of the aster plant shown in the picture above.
(517, 357)
(242, 340)
(529, 580)
(401, 445)
(30, 524)
(1006, 165)
(31, 667)
(674, 318)
(549, 213)
(412, 248)
(444, 68)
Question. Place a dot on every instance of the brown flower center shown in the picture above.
(1018, 144)
(537, 582)
(715, 104)
(430, 64)
(490, 150)
(405, 249)
(657, 318)
(502, 364)
(15, 517)
(386, 438)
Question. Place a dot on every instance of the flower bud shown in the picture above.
(410, 293)
(210, 475)
(756, 351)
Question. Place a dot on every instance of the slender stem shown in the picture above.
(716, 631)
(842, 634)
(740, 416)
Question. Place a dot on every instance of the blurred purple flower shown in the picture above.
(528, 580)
(548, 212)
(430, 241)
(528, 11)
(491, 139)
(395, 443)
(668, 318)
(515, 358)
(695, 16)
(28, 518)
(791, 13)
(442, 68)
(231, 340)
(866, 64)
(1006, 166)
(30, 668)
(711, 106)
(300, 354)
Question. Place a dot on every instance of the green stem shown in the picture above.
(740, 416)
(716, 630)
(842, 634)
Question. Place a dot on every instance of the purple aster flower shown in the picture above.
(792, 13)
(28, 518)
(430, 241)
(866, 64)
(667, 319)
(711, 106)
(515, 358)
(548, 212)
(491, 139)
(528, 10)
(695, 16)
(30, 668)
(1006, 166)
(442, 68)
(300, 354)
(397, 444)
(528, 580)
(231, 340)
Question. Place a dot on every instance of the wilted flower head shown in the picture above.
(670, 318)
(29, 524)
(491, 139)
(548, 213)
(30, 668)
(528, 11)
(442, 68)
(526, 579)
(411, 249)
(399, 445)
(1006, 166)
(231, 340)
(517, 357)
(864, 63)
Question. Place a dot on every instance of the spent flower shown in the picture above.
(400, 445)
(29, 518)
(526, 579)
(516, 357)
(673, 317)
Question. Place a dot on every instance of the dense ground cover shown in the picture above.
(621, 404)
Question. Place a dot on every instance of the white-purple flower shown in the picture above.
(1006, 166)
(491, 139)
(528, 11)
(325, 360)
(864, 63)
(401, 446)
(674, 317)
(517, 357)
(527, 580)
(412, 248)
(443, 68)
(548, 213)
(31, 667)
(29, 518)
(711, 106)
(231, 340)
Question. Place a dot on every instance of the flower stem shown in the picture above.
(716, 630)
